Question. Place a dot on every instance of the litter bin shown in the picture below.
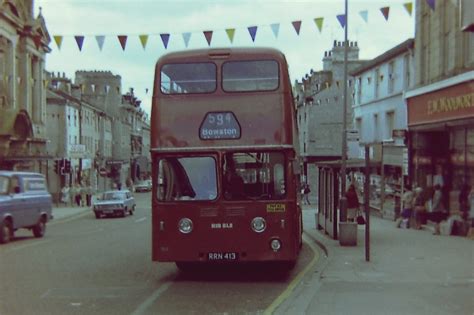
(348, 233)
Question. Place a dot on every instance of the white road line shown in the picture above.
(151, 299)
(140, 220)
(27, 245)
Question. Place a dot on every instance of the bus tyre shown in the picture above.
(6, 232)
(40, 228)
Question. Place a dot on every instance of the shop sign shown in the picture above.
(77, 151)
(454, 102)
(352, 135)
(399, 133)
(405, 162)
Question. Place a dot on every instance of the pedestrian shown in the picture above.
(438, 212)
(419, 207)
(306, 192)
(352, 203)
(77, 194)
(65, 195)
(407, 204)
(89, 195)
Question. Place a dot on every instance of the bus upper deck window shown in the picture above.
(188, 78)
(247, 76)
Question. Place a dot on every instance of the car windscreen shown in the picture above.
(188, 78)
(4, 185)
(253, 75)
(113, 196)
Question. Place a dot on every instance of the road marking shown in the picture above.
(69, 218)
(19, 247)
(286, 294)
(140, 220)
(151, 299)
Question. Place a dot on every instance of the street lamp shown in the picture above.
(343, 199)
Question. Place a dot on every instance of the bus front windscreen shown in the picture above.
(187, 178)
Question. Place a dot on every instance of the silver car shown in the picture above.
(114, 203)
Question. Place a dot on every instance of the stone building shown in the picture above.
(320, 109)
(440, 108)
(24, 42)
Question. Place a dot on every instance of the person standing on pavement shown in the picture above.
(77, 194)
(407, 203)
(65, 198)
(352, 203)
(438, 212)
(306, 192)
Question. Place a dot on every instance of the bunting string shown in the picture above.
(252, 30)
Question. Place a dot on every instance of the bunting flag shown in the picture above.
(252, 32)
(79, 41)
(342, 20)
(431, 3)
(143, 40)
(275, 28)
(364, 15)
(208, 35)
(297, 26)
(385, 11)
(186, 38)
(319, 23)
(165, 39)
(58, 39)
(230, 34)
(123, 40)
(409, 7)
(100, 41)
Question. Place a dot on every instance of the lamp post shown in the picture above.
(343, 199)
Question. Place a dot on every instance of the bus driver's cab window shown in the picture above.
(254, 175)
(187, 178)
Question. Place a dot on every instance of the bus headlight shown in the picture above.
(185, 225)
(275, 244)
(258, 224)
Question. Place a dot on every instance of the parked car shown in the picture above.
(24, 203)
(144, 185)
(114, 202)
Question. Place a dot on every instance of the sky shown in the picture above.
(135, 64)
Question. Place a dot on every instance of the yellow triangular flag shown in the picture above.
(230, 33)
(143, 40)
(319, 23)
(409, 7)
(59, 40)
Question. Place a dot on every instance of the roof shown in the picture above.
(389, 54)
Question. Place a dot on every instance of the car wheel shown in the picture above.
(132, 210)
(6, 232)
(40, 228)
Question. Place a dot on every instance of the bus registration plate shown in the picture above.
(222, 256)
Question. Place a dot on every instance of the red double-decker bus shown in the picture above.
(225, 158)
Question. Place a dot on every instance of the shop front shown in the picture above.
(441, 137)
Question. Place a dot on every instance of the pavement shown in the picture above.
(409, 272)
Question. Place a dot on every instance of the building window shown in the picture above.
(358, 126)
(391, 76)
(390, 123)
(376, 128)
(377, 83)
(406, 70)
